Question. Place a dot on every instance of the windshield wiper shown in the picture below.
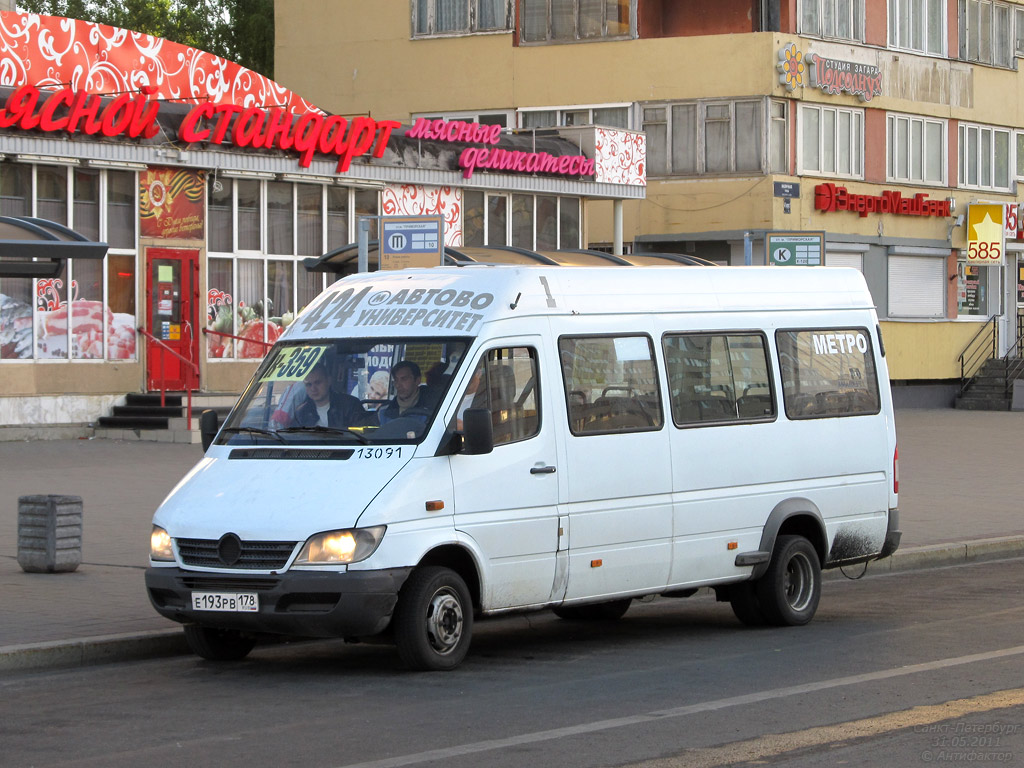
(254, 431)
(327, 431)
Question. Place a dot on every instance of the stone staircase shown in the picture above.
(143, 418)
(987, 391)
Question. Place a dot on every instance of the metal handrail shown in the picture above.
(264, 344)
(974, 355)
(192, 369)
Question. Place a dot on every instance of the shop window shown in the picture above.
(86, 312)
(984, 157)
(121, 209)
(917, 286)
(121, 335)
(611, 116)
(611, 384)
(972, 289)
(367, 204)
(337, 217)
(280, 223)
(52, 193)
(547, 223)
(916, 150)
(568, 222)
(918, 25)
(986, 32)
(721, 378)
(250, 230)
(219, 219)
(522, 221)
(86, 209)
(558, 21)
(704, 137)
(251, 309)
(497, 220)
(15, 189)
(503, 118)
(843, 19)
(451, 17)
(831, 141)
(309, 206)
(827, 373)
(472, 218)
(220, 307)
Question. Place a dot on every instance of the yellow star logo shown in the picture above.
(987, 231)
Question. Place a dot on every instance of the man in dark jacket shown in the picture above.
(411, 400)
(326, 408)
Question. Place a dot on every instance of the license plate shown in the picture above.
(236, 602)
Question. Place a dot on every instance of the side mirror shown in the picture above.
(208, 427)
(478, 433)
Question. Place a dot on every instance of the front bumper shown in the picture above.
(299, 603)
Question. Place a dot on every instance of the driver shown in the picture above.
(325, 408)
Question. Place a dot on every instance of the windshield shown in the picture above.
(345, 391)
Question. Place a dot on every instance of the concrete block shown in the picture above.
(49, 533)
(1017, 401)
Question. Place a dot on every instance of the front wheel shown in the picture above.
(433, 619)
(790, 589)
(218, 644)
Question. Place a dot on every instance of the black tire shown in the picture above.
(610, 611)
(790, 589)
(433, 620)
(218, 644)
(743, 599)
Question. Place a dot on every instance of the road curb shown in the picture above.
(104, 649)
(86, 651)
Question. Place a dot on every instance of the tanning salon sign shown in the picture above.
(834, 76)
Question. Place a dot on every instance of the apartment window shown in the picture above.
(842, 19)
(984, 157)
(453, 17)
(1020, 154)
(832, 141)
(986, 32)
(610, 115)
(1018, 26)
(916, 150)
(917, 25)
(559, 21)
(706, 137)
(504, 118)
(778, 141)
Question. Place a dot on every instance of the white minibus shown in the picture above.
(425, 447)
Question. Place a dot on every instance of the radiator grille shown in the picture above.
(253, 555)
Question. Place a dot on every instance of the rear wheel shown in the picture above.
(218, 644)
(433, 620)
(790, 589)
(610, 611)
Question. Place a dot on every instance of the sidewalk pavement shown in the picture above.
(960, 499)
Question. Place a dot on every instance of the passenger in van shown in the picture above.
(326, 408)
(410, 400)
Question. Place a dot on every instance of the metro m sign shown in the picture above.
(985, 225)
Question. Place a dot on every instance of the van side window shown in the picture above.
(718, 378)
(827, 372)
(611, 384)
(505, 383)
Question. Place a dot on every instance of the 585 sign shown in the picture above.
(985, 233)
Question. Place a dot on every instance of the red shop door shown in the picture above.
(172, 301)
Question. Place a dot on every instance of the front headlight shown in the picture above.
(345, 546)
(160, 545)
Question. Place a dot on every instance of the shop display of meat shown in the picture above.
(88, 319)
(15, 329)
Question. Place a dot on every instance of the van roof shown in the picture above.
(440, 301)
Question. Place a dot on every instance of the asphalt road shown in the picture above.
(891, 665)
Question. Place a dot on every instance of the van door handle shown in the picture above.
(548, 470)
